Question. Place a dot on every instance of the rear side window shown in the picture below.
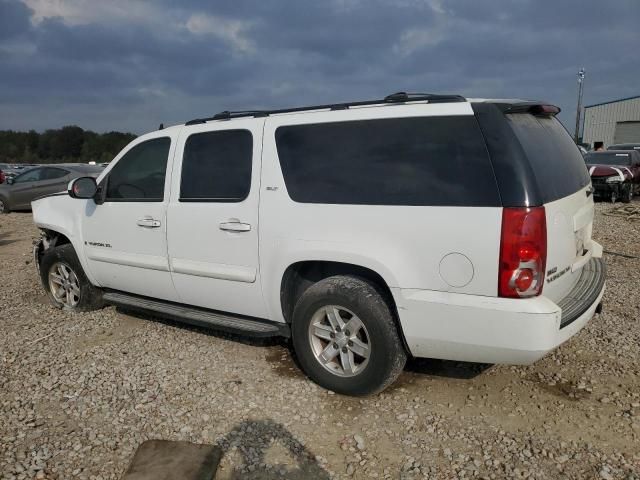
(216, 166)
(558, 165)
(403, 161)
(139, 174)
(53, 173)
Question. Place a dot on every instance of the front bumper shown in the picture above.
(496, 330)
(602, 189)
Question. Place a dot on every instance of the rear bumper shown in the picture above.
(496, 330)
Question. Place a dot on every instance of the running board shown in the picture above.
(249, 326)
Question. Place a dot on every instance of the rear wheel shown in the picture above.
(4, 206)
(67, 286)
(345, 336)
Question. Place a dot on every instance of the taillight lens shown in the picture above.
(523, 252)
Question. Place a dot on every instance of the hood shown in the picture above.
(610, 170)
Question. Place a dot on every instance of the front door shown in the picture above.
(125, 237)
(213, 217)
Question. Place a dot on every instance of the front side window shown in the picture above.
(216, 166)
(139, 175)
(438, 161)
(30, 176)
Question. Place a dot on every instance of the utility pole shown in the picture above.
(579, 109)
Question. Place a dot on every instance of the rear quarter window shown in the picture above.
(557, 164)
(439, 161)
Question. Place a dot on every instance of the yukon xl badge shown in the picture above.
(98, 244)
(553, 274)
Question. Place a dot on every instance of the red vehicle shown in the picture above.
(3, 177)
(615, 174)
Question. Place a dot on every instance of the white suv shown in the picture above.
(423, 225)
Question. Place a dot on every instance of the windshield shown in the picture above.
(606, 158)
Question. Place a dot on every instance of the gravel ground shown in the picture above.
(79, 393)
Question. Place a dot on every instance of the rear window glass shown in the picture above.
(558, 165)
(603, 158)
(628, 146)
(437, 161)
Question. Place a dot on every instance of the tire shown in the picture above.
(60, 266)
(361, 307)
(4, 206)
(627, 195)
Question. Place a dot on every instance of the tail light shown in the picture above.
(523, 252)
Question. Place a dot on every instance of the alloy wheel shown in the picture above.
(64, 285)
(339, 341)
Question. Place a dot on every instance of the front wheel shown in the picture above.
(67, 285)
(345, 336)
(627, 194)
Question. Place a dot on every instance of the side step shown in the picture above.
(249, 326)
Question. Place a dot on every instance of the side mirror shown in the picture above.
(9, 180)
(83, 187)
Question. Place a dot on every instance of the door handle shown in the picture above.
(148, 222)
(235, 226)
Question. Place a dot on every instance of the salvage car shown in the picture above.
(415, 225)
(615, 174)
(18, 192)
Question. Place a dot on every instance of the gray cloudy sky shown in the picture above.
(129, 65)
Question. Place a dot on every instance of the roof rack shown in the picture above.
(394, 98)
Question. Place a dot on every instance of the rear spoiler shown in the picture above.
(534, 108)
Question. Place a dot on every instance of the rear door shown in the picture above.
(213, 217)
(563, 186)
(53, 180)
(23, 187)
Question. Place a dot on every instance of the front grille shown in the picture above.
(584, 293)
(599, 181)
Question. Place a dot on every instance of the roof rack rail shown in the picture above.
(398, 97)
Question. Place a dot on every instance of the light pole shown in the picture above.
(579, 110)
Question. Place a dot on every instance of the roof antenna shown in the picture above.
(161, 126)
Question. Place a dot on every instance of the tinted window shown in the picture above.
(52, 173)
(625, 146)
(217, 166)
(139, 174)
(30, 176)
(557, 163)
(608, 158)
(402, 161)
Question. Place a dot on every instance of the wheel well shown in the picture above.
(300, 276)
(55, 238)
(51, 239)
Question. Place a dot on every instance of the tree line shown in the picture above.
(70, 144)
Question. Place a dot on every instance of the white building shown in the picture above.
(617, 121)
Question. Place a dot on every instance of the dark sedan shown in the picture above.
(18, 192)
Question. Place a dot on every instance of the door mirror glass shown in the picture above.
(83, 187)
